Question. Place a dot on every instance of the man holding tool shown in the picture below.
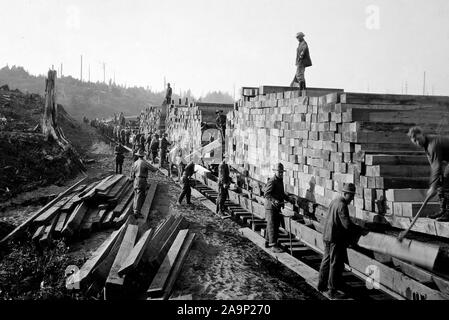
(437, 151)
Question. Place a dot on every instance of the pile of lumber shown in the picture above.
(81, 210)
(150, 118)
(325, 138)
(136, 261)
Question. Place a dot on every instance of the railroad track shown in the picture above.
(305, 254)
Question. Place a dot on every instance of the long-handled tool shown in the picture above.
(404, 233)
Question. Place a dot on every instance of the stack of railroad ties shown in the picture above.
(133, 258)
(327, 138)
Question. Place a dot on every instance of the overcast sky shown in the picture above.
(205, 45)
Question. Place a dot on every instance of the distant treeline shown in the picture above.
(95, 100)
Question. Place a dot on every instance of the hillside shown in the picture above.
(84, 98)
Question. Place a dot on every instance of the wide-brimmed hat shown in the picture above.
(300, 35)
(349, 188)
(140, 153)
(279, 167)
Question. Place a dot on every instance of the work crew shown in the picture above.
(275, 198)
(303, 61)
(154, 147)
(224, 182)
(437, 151)
(339, 232)
(186, 183)
(119, 157)
(163, 145)
(168, 94)
(139, 174)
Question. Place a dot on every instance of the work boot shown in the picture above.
(334, 294)
(443, 209)
(276, 249)
(322, 288)
(444, 217)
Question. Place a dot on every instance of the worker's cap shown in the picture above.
(217, 111)
(300, 35)
(349, 188)
(140, 153)
(279, 167)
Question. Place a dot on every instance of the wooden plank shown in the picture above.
(20, 229)
(371, 98)
(92, 192)
(114, 282)
(159, 281)
(105, 249)
(118, 188)
(178, 265)
(109, 183)
(145, 210)
(377, 159)
(38, 233)
(422, 275)
(86, 224)
(126, 213)
(52, 211)
(136, 254)
(407, 195)
(74, 221)
(47, 234)
(170, 237)
(60, 224)
(124, 201)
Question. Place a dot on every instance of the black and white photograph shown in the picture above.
(226, 156)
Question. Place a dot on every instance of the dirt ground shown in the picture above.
(221, 264)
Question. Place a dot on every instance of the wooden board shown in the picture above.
(178, 265)
(136, 254)
(52, 211)
(97, 257)
(114, 282)
(407, 195)
(118, 210)
(109, 183)
(168, 240)
(20, 229)
(60, 224)
(47, 235)
(145, 210)
(159, 281)
(74, 221)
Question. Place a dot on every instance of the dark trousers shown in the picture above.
(443, 189)
(273, 217)
(168, 100)
(186, 190)
(221, 198)
(118, 167)
(154, 155)
(332, 266)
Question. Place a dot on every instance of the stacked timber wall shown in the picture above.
(326, 138)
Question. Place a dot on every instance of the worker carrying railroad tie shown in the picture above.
(186, 183)
(139, 174)
(275, 198)
(339, 232)
(154, 147)
(224, 181)
(119, 157)
(437, 151)
(303, 61)
(221, 123)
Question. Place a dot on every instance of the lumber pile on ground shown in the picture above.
(326, 138)
(136, 259)
(89, 207)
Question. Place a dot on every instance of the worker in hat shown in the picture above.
(119, 158)
(437, 151)
(139, 174)
(303, 61)
(224, 181)
(275, 198)
(221, 123)
(189, 171)
(163, 146)
(154, 147)
(339, 232)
